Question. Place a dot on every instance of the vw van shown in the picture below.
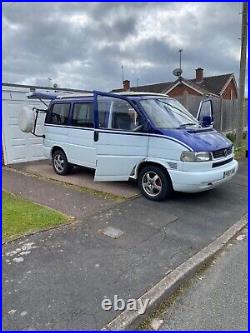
(147, 137)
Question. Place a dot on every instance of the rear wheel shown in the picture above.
(155, 183)
(60, 162)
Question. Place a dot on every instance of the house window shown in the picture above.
(231, 93)
(83, 115)
(58, 114)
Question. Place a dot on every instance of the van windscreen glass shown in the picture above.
(168, 113)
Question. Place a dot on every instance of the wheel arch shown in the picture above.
(147, 188)
(54, 148)
(145, 163)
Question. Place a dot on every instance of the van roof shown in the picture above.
(125, 94)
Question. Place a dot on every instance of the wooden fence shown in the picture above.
(225, 111)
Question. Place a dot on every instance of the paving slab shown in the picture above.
(61, 283)
(82, 177)
(69, 201)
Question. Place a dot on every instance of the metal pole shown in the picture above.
(122, 73)
(180, 57)
(239, 130)
(180, 51)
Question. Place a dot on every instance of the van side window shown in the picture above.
(118, 114)
(58, 114)
(123, 116)
(103, 112)
(83, 115)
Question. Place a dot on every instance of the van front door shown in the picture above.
(120, 139)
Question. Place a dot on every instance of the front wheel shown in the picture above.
(155, 183)
(60, 162)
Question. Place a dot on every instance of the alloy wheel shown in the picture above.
(151, 183)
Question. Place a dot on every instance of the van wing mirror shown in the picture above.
(205, 113)
(206, 121)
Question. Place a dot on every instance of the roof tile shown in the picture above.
(209, 85)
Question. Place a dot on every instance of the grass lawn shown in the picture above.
(21, 216)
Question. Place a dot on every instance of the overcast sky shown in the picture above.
(83, 45)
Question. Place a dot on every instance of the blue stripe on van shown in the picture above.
(125, 133)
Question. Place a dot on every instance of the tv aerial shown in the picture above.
(177, 72)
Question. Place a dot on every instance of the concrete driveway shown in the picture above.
(79, 176)
(63, 279)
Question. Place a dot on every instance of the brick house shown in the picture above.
(223, 86)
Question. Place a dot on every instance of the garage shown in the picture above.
(18, 146)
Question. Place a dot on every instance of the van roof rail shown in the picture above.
(124, 93)
(75, 95)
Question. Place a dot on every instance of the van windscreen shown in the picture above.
(168, 113)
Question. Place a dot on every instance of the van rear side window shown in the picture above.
(83, 115)
(58, 114)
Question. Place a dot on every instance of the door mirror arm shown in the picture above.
(205, 113)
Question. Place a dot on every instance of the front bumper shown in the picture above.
(192, 182)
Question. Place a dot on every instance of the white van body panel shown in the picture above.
(163, 151)
(77, 143)
(56, 135)
(117, 154)
(165, 148)
(81, 149)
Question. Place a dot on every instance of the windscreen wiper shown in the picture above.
(187, 124)
(179, 111)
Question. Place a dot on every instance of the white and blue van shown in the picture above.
(148, 137)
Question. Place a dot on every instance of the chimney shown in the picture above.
(199, 75)
(126, 85)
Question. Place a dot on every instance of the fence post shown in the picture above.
(221, 114)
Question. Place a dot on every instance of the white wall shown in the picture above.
(19, 146)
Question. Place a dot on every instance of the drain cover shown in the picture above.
(112, 232)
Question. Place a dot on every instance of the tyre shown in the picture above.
(155, 183)
(60, 162)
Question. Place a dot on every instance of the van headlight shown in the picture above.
(191, 156)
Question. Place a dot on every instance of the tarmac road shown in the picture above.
(61, 281)
(218, 297)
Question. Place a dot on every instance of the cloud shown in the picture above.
(84, 45)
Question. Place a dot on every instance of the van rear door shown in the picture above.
(119, 137)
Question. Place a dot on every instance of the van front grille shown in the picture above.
(222, 152)
(218, 164)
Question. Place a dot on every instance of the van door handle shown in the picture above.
(96, 136)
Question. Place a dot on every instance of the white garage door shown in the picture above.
(18, 146)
